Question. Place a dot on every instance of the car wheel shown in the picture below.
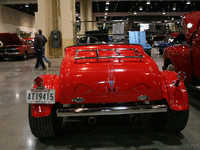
(171, 121)
(45, 127)
(170, 67)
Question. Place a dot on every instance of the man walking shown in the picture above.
(43, 49)
(38, 45)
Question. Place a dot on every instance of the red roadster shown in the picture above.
(109, 79)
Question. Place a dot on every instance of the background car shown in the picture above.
(12, 46)
(87, 40)
(185, 56)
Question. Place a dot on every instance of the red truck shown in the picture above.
(186, 57)
(107, 79)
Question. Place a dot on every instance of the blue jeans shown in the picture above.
(39, 60)
(43, 55)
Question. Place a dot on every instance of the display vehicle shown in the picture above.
(185, 57)
(98, 80)
(13, 46)
(112, 79)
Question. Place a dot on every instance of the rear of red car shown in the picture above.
(100, 80)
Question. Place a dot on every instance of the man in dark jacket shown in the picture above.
(43, 49)
(38, 45)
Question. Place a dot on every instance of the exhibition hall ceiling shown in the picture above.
(120, 9)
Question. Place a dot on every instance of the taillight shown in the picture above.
(38, 81)
(181, 75)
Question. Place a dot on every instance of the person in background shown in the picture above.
(38, 45)
(43, 49)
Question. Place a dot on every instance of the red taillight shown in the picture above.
(181, 75)
(38, 81)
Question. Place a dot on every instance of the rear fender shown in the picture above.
(176, 96)
(50, 82)
(180, 57)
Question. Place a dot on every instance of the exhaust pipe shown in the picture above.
(133, 118)
(92, 120)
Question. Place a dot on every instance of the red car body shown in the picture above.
(110, 79)
(12, 46)
(185, 57)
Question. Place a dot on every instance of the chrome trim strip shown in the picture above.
(121, 110)
(6, 53)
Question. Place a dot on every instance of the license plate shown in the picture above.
(40, 96)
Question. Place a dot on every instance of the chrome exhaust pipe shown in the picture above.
(133, 118)
(92, 120)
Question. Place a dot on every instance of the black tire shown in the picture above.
(171, 121)
(45, 127)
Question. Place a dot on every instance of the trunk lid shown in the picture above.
(111, 80)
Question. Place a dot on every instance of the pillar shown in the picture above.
(0, 19)
(67, 18)
(56, 15)
(86, 15)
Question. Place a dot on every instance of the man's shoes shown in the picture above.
(49, 64)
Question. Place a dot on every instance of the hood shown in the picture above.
(10, 39)
(110, 80)
(192, 18)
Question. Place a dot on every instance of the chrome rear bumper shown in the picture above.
(67, 112)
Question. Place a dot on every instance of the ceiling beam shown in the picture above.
(10, 2)
(140, 14)
(136, 0)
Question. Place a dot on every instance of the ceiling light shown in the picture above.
(106, 8)
(165, 20)
(174, 7)
(188, 2)
(140, 8)
(76, 14)
(148, 2)
(135, 13)
(105, 17)
(26, 5)
(172, 18)
(106, 13)
(107, 3)
(163, 13)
